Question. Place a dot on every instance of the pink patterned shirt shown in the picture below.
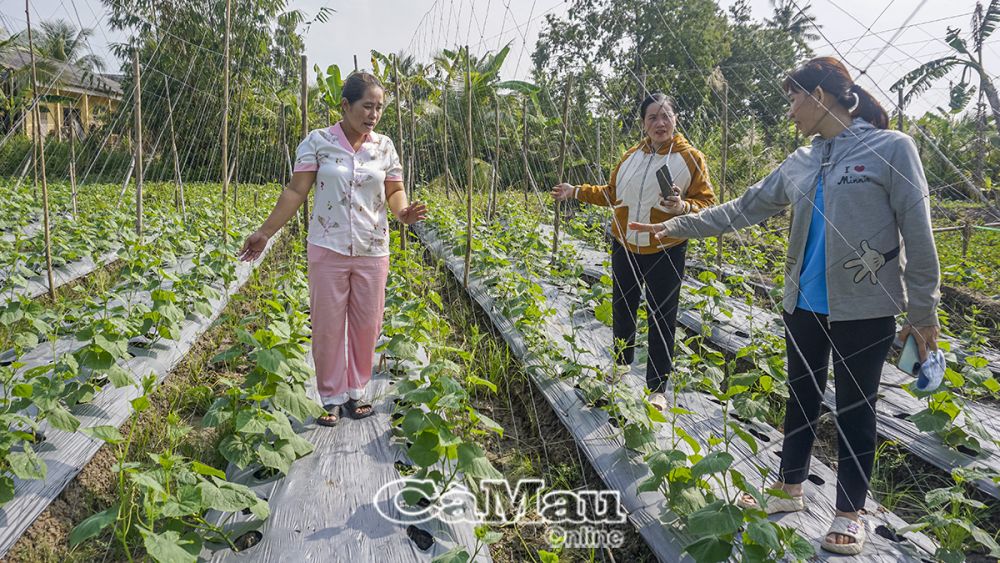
(349, 207)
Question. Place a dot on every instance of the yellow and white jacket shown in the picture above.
(634, 192)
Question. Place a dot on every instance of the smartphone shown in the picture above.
(665, 180)
(909, 358)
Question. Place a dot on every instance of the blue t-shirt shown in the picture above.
(812, 278)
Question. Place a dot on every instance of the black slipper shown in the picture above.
(352, 406)
(332, 411)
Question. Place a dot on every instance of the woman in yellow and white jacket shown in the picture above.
(637, 259)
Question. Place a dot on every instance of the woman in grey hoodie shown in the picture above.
(860, 252)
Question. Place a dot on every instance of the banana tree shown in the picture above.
(968, 59)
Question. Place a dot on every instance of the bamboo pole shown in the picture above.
(562, 165)
(899, 108)
(225, 127)
(411, 169)
(399, 131)
(725, 163)
(447, 169)
(468, 189)
(492, 207)
(178, 182)
(966, 236)
(137, 117)
(304, 95)
(600, 167)
(72, 165)
(524, 151)
(41, 158)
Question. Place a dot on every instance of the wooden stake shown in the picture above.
(41, 159)
(562, 164)
(468, 140)
(137, 117)
(492, 206)
(225, 127)
(304, 95)
(399, 131)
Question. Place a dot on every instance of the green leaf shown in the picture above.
(270, 360)
(62, 419)
(473, 462)
(233, 352)
(930, 421)
(6, 488)
(715, 519)
(279, 458)
(801, 547)
(710, 550)
(108, 434)
(27, 464)
(119, 377)
(166, 547)
(640, 438)
(296, 403)
(457, 554)
(207, 470)
(93, 525)
(763, 533)
(424, 451)
(715, 462)
(476, 380)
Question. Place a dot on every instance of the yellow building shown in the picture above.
(74, 98)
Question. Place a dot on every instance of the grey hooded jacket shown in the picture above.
(875, 199)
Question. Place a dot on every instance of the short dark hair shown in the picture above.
(833, 77)
(655, 98)
(357, 85)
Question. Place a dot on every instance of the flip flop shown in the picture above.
(352, 406)
(332, 411)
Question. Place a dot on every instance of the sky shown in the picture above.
(855, 30)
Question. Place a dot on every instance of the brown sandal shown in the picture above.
(332, 416)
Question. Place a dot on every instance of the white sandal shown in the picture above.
(658, 400)
(773, 504)
(846, 527)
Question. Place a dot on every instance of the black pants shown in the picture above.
(661, 275)
(859, 350)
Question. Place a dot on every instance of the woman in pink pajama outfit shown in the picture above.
(358, 177)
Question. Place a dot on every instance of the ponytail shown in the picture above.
(832, 76)
(862, 104)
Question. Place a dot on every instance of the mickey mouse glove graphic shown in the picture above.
(870, 262)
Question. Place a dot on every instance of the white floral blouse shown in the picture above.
(349, 207)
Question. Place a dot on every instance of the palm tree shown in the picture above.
(62, 41)
(798, 22)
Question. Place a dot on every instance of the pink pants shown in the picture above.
(347, 299)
